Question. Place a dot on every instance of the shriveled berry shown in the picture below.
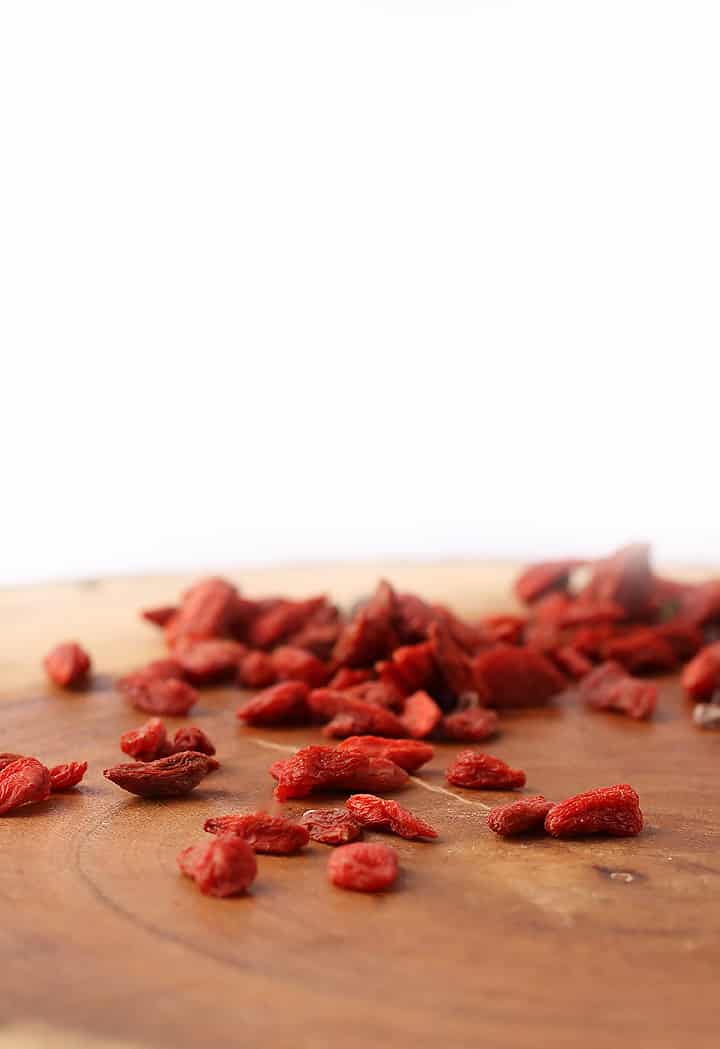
(317, 768)
(517, 677)
(272, 834)
(68, 664)
(296, 664)
(409, 754)
(641, 649)
(572, 661)
(346, 677)
(158, 670)
(452, 661)
(371, 634)
(480, 771)
(147, 742)
(363, 867)
(701, 676)
(212, 660)
(413, 665)
(365, 717)
(282, 619)
(6, 758)
(223, 867)
(192, 738)
(208, 609)
(64, 777)
(257, 670)
(280, 704)
(385, 814)
(470, 726)
(23, 782)
(606, 810)
(331, 826)
(608, 687)
(421, 715)
(382, 693)
(171, 697)
(164, 778)
(519, 816)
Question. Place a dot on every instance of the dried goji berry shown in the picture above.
(452, 662)
(504, 628)
(279, 704)
(609, 687)
(483, 772)
(205, 661)
(331, 826)
(319, 633)
(7, 758)
(158, 670)
(208, 609)
(296, 664)
(63, 777)
(385, 814)
(370, 634)
(517, 677)
(164, 778)
(223, 867)
(625, 578)
(159, 616)
(346, 677)
(272, 834)
(572, 661)
(382, 693)
(413, 665)
(606, 810)
(421, 715)
(192, 738)
(23, 782)
(413, 616)
(363, 867)
(257, 670)
(68, 664)
(641, 648)
(171, 696)
(327, 768)
(281, 620)
(409, 754)
(519, 816)
(470, 726)
(147, 742)
(701, 676)
(360, 717)
(538, 579)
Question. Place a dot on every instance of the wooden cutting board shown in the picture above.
(484, 942)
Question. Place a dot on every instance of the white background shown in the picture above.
(302, 279)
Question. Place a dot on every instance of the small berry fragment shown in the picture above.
(606, 810)
(271, 834)
(470, 726)
(609, 687)
(480, 771)
(67, 776)
(363, 867)
(147, 742)
(421, 715)
(223, 867)
(68, 664)
(331, 826)
(371, 811)
(519, 816)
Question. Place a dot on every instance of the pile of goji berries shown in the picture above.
(383, 680)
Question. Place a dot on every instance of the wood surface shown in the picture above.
(484, 942)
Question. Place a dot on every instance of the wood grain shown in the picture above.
(484, 942)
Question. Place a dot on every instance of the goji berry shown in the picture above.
(360, 717)
(257, 670)
(208, 609)
(641, 648)
(606, 810)
(205, 661)
(279, 704)
(223, 867)
(63, 777)
(452, 662)
(159, 616)
(413, 616)
(158, 670)
(483, 772)
(384, 814)
(413, 665)
(295, 664)
(192, 738)
(572, 661)
(370, 634)
(625, 579)
(319, 633)
(23, 782)
(171, 696)
(147, 742)
(68, 664)
(382, 693)
(701, 676)
(409, 754)
(421, 715)
(281, 620)
(346, 677)
(538, 579)
(7, 759)
(609, 687)
(164, 778)
(519, 816)
(585, 611)
(326, 768)
(470, 726)
(272, 834)
(505, 628)
(363, 867)
(517, 677)
(331, 826)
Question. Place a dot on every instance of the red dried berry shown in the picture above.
(413, 617)
(271, 834)
(572, 661)
(641, 649)
(371, 811)
(257, 670)
(538, 579)
(171, 697)
(381, 693)
(370, 635)
(701, 676)
(147, 742)
(331, 826)
(192, 738)
(283, 618)
(23, 782)
(414, 665)
(158, 670)
(517, 677)
(421, 715)
(68, 664)
(223, 867)
(281, 704)
(346, 677)
(206, 661)
(409, 754)
(327, 768)
(363, 867)
(606, 810)
(208, 609)
(504, 628)
(452, 662)
(164, 778)
(295, 664)
(7, 758)
(470, 726)
(608, 687)
(483, 772)
(64, 777)
(159, 616)
(519, 816)
(361, 717)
